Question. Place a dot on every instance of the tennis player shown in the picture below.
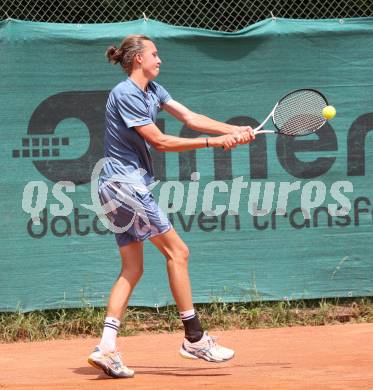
(131, 112)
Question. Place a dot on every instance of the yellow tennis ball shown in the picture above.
(328, 112)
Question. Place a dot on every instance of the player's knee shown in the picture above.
(186, 252)
(133, 273)
(180, 254)
(183, 251)
(138, 273)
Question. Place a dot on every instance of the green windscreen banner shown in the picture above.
(281, 218)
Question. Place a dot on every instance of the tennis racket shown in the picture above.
(297, 113)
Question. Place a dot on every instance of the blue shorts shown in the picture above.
(134, 215)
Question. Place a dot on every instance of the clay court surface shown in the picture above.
(328, 357)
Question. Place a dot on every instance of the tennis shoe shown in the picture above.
(207, 349)
(111, 363)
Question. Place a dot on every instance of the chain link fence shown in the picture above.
(223, 15)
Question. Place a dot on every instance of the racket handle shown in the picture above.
(264, 132)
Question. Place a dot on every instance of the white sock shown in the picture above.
(109, 335)
(187, 315)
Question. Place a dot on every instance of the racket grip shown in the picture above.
(261, 132)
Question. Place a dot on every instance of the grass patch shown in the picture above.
(88, 321)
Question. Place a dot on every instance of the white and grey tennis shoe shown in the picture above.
(111, 363)
(206, 349)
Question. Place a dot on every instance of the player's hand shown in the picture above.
(244, 134)
(226, 142)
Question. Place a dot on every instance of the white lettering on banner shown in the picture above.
(172, 197)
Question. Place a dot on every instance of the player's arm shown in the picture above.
(168, 143)
(203, 123)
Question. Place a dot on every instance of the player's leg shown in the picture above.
(132, 256)
(176, 253)
(105, 356)
(197, 344)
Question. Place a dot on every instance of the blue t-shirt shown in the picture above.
(128, 106)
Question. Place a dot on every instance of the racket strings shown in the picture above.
(300, 113)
